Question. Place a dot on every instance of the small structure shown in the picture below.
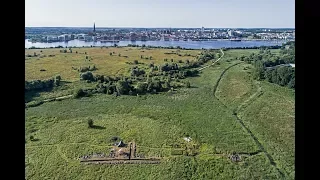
(235, 158)
(121, 144)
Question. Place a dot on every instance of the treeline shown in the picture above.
(274, 68)
(129, 86)
(268, 59)
(40, 85)
(254, 47)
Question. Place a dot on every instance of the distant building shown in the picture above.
(94, 27)
(133, 37)
(144, 37)
(202, 29)
(230, 33)
(61, 38)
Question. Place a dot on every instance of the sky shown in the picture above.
(161, 13)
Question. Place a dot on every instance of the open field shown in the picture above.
(271, 117)
(62, 63)
(157, 122)
(268, 112)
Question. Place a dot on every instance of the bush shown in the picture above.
(122, 87)
(141, 87)
(80, 93)
(135, 62)
(188, 84)
(87, 76)
(31, 138)
(90, 123)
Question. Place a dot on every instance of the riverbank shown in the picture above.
(168, 44)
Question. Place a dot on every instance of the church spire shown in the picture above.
(94, 27)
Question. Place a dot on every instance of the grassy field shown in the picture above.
(269, 113)
(156, 122)
(271, 117)
(62, 63)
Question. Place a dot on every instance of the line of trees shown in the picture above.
(274, 68)
(40, 85)
(157, 79)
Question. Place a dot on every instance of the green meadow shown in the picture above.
(159, 122)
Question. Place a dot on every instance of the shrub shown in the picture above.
(122, 87)
(79, 93)
(87, 76)
(136, 62)
(90, 123)
(141, 87)
(188, 84)
(31, 138)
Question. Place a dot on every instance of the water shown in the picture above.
(184, 44)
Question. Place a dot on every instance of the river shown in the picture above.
(184, 44)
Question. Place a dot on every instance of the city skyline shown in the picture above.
(164, 14)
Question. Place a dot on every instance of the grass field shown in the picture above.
(156, 122)
(62, 63)
(269, 116)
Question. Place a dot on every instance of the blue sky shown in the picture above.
(161, 13)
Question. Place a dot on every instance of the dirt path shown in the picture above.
(250, 99)
(200, 69)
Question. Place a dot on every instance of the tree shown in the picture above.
(136, 62)
(87, 76)
(141, 87)
(122, 87)
(165, 85)
(31, 138)
(110, 54)
(285, 74)
(275, 77)
(268, 75)
(259, 70)
(188, 84)
(79, 93)
(292, 84)
(90, 123)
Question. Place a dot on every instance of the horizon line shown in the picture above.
(162, 27)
